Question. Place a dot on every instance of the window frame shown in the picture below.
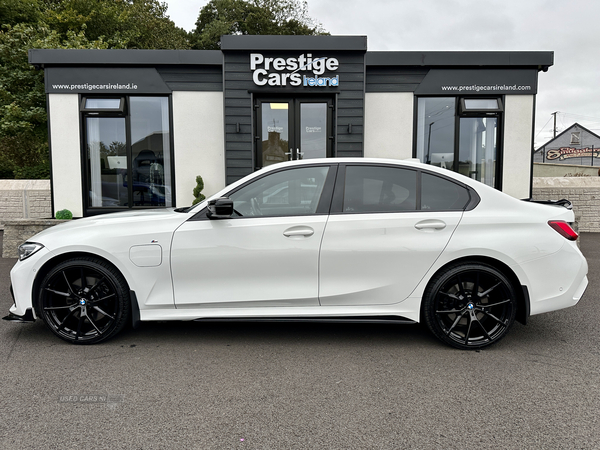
(125, 112)
(464, 111)
(120, 110)
(484, 113)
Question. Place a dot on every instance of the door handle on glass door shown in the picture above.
(299, 232)
(300, 155)
(430, 225)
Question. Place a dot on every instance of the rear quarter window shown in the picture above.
(440, 194)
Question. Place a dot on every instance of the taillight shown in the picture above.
(564, 229)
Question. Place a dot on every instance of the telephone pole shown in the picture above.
(554, 130)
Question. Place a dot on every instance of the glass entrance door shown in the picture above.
(291, 129)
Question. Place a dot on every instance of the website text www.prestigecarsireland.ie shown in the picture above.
(479, 88)
(94, 87)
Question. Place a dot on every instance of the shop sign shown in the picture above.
(286, 71)
(569, 152)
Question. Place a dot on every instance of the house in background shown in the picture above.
(574, 152)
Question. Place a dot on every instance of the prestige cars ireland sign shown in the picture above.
(304, 70)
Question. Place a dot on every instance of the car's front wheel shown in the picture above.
(84, 300)
(469, 306)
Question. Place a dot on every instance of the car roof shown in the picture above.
(411, 162)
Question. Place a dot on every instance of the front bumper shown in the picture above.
(26, 318)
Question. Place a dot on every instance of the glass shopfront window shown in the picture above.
(435, 131)
(128, 152)
(460, 134)
(477, 148)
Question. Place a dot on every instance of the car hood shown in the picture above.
(94, 230)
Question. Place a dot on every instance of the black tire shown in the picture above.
(469, 306)
(84, 300)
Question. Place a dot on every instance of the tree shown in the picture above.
(120, 23)
(42, 24)
(23, 117)
(274, 17)
(198, 195)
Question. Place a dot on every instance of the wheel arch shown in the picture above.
(52, 262)
(523, 302)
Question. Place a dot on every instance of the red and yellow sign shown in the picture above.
(571, 152)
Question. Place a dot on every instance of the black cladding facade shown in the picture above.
(240, 93)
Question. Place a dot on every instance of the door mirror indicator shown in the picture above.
(220, 208)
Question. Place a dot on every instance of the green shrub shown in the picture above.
(6, 174)
(64, 214)
(38, 172)
(198, 189)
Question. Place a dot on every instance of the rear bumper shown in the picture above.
(557, 281)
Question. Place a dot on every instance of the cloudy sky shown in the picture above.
(569, 28)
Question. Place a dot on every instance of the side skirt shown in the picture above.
(337, 319)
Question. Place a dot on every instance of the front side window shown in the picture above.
(128, 152)
(294, 192)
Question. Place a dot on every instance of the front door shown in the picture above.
(292, 128)
(267, 254)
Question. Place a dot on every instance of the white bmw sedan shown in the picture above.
(321, 240)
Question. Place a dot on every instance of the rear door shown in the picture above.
(388, 226)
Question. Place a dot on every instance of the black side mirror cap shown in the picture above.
(220, 208)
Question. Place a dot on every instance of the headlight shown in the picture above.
(27, 249)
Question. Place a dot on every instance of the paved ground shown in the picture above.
(303, 386)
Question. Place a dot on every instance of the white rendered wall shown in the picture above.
(518, 129)
(199, 143)
(66, 153)
(389, 125)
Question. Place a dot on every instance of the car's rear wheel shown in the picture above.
(469, 306)
(84, 300)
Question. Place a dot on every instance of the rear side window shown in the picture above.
(439, 194)
(379, 189)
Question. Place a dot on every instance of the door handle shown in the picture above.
(299, 232)
(430, 225)
(299, 154)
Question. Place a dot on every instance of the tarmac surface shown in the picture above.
(192, 385)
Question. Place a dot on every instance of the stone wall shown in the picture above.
(583, 192)
(24, 199)
(564, 170)
(18, 231)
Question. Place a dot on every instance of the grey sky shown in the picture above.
(568, 28)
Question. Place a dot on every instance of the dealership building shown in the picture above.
(133, 128)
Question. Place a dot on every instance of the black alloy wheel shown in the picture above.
(84, 301)
(469, 306)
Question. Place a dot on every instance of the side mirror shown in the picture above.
(220, 208)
